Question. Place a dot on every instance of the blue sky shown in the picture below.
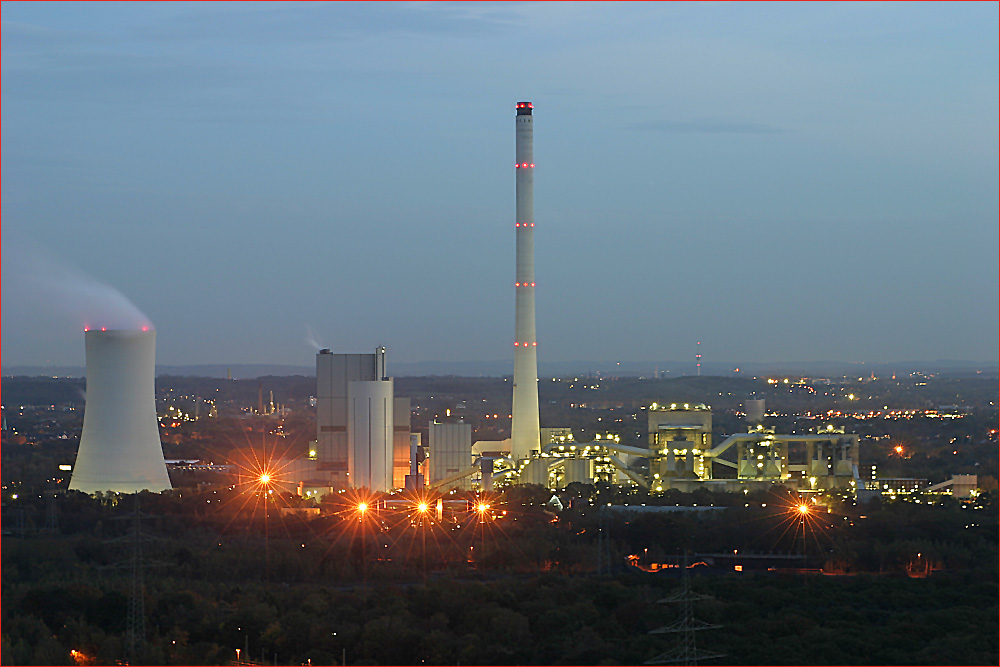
(778, 181)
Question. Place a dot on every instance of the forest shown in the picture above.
(211, 568)
(529, 583)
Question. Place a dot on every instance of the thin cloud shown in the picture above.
(705, 126)
(299, 22)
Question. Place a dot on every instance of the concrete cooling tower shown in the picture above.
(120, 446)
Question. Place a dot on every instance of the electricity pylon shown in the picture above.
(686, 652)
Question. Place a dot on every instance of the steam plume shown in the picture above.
(48, 289)
(312, 340)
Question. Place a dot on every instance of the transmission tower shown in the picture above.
(686, 652)
(135, 623)
(135, 620)
(19, 528)
(603, 541)
(51, 515)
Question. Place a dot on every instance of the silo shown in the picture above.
(120, 447)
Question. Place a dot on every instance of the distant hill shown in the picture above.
(238, 371)
(665, 369)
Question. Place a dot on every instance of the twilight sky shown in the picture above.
(778, 181)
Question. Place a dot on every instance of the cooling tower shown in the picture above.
(120, 446)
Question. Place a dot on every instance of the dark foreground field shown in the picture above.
(291, 593)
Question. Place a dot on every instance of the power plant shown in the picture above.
(679, 453)
(360, 427)
(120, 447)
(363, 431)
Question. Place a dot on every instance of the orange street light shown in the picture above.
(803, 509)
(423, 507)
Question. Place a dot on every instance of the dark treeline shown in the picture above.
(549, 618)
(522, 590)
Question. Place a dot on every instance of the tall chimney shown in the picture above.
(524, 416)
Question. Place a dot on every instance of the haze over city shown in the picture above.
(780, 182)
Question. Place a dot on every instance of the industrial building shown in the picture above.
(680, 440)
(679, 454)
(449, 447)
(362, 429)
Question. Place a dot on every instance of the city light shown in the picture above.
(79, 658)
(803, 509)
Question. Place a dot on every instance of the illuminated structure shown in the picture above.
(677, 434)
(524, 416)
(120, 448)
(362, 429)
(680, 455)
(959, 486)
